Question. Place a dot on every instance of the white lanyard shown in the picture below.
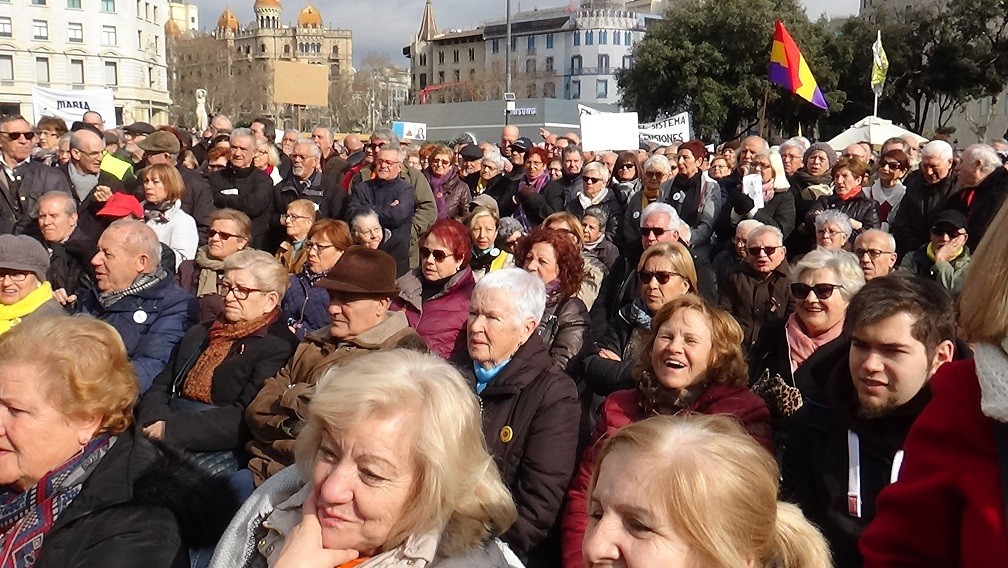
(854, 473)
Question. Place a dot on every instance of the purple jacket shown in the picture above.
(441, 319)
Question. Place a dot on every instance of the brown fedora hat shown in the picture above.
(362, 270)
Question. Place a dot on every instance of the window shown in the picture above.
(456, 74)
(40, 29)
(603, 37)
(154, 19)
(576, 65)
(108, 35)
(531, 43)
(108, 5)
(146, 10)
(549, 41)
(423, 80)
(111, 74)
(627, 61)
(601, 88)
(423, 59)
(549, 89)
(74, 4)
(627, 40)
(577, 38)
(440, 58)
(140, 44)
(6, 67)
(603, 63)
(549, 63)
(5, 27)
(75, 32)
(42, 69)
(616, 37)
(575, 89)
(589, 37)
(77, 71)
(151, 77)
(472, 54)
(530, 65)
(514, 44)
(455, 56)
(495, 46)
(440, 76)
(38, 2)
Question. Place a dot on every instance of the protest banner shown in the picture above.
(71, 105)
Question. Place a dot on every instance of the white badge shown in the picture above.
(636, 214)
(139, 316)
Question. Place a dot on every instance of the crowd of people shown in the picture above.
(362, 352)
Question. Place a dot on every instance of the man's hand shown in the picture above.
(155, 431)
(102, 193)
(63, 298)
(949, 250)
(607, 354)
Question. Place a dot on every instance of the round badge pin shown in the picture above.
(636, 214)
(139, 316)
(506, 434)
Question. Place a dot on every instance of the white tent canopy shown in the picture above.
(871, 129)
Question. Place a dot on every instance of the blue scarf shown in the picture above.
(484, 376)
(639, 314)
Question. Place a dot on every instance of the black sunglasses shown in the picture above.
(439, 255)
(374, 145)
(224, 236)
(15, 135)
(754, 251)
(822, 291)
(950, 231)
(662, 276)
(591, 180)
(658, 231)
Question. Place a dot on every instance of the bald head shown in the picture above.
(221, 124)
(352, 143)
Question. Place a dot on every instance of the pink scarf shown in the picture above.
(801, 345)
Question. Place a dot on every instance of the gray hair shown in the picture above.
(328, 130)
(891, 240)
(386, 134)
(777, 164)
(572, 149)
(138, 238)
(761, 230)
(64, 139)
(844, 264)
(495, 158)
(69, 204)
(509, 226)
(685, 233)
(312, 148)
(525, 290)
(939, 148)
(369, 214)
(659, 162)
(748, 225)
(297, 133)
(399, 150)
(14, 118)
(836, 217)
(267, 272)
(598, 214)
(797, 142)
(598, 168)
(241, 133)
(659, 208)
(903, 144)
(986, 155)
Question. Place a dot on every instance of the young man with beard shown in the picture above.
(845, 443)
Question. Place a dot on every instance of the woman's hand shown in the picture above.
(303, 546)
(607, 354)
(155, 431)
(856, 225)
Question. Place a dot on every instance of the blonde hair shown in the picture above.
(273, 156)
(82, 366)
(458, 489)
(306, 206)
(718, 488)
(573, 225)
(983, 302)
(170, 177)
(266, 270)
(237, 217)
(682, 261)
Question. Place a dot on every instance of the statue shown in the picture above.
(201, 112)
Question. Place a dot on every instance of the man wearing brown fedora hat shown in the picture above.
(361, 286)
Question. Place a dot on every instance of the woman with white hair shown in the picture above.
(833, 230)
(531, 410)
(392, 471)
(267, 159)
(656, 170)
(778, 208)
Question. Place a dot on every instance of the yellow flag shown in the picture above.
(880, 65)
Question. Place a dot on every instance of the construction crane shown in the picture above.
(422, 97)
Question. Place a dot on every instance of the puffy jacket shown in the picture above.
(441, 319)
(564, 328)
(248, 190)
(19, 205)
(305, 306)
(624, 407)
(454, 194)
(605, 376)
(861, 208)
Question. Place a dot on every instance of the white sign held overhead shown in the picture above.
(672, 129)
(608, 130)
(410, 130)
(71, 105)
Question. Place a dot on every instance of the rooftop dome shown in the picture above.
(267, 4)
(172, 29)
(310, 17)
(227, 20)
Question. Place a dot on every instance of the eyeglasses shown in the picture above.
(240, 292)
(374, 145)
(296, 157)
(872, 253)
(215, 167)
(761, 165)
(15, 135)
(591, 180)
(47, 133)
(657, 231)
(828, 232)
(890, 165)
(285, 216)
(662, 276)
(653, 175)
(439, 255)
(317, 247)
(437, 162)
(223, 236)
(536, 163)
(491, 167)
(371, 231)
(755, 251)
(822, 291)
(625, 167)
(14, 276)
(388, 163)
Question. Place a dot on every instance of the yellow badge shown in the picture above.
(506, 434)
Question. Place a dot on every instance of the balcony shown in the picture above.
(593, 70)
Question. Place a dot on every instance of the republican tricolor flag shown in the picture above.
(789, 69)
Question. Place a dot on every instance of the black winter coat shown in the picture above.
(920, 205)
(612, 207)
(604, 376)
(861, 208)
(564, 330)
(980, 204)
(393, 201)
(248, 190)
(70, 263)
(198, 200)
(88, 221)
(537, 206)
(19, 198)
(143, 506)
(236, 381)
(754, 299)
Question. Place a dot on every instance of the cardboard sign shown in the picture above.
(609, 131)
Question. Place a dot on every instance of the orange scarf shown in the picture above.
(222, 335)
(354, 562)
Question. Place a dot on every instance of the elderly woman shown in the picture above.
(198, 402)
(509, 233)
(665, 272)
(490, 178)
(554, 258)
(822, 283)
(704, 494)
(833, 230)
(530, 407)
(696, 199)
(849, 197)
(595, 192)
(656, 171)
(594, 270)
(163, 190)
(597, 244)
(778, 208)
(306, 306)
(626, 176)
(80, 486)
(486, 255)
(690, 363)
(451, 194)
(230, 231)
(297, 221)
(50, 129)
(535, 196)
(718, 168)
(435, 296)
(63, 149)
(24, 292)
(267, 159)
(888, 189)
(367, 230)
(812, 181)
(555, 169)
(392, 470)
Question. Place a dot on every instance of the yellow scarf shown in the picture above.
(931, 253)
(13, 314)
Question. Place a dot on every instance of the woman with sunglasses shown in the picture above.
(435, 296)
(888, 189)
(306, 306)
(595, 192)
(626, 175)
(822, 284)
(197, 403)
(665, 272)
(691, 362)
(230, 232)
(451, 194)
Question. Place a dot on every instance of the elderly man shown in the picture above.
(219, 124)
(361, 286)
(134, 134)
(509, 134)
(749, 147)
(791, 152)
(23, 181)
(290, 137)
(243, 186)
(927, 192)
(306, 182)
(94, 118)
(914, 149)
(90, 186)
(726, 261)
(162, 147)
(861, 151)
(391, 197)
(947, 257)
(984, 184)
(876, 252)
(759, 288)
(70, 251)
(330, 162)
(133, 294)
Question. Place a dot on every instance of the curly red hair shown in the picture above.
(570, 265)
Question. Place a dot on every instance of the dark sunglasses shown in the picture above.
(662, 276)
(657, 231)
(950, 231)
(626, 166)
(374, 145)
(15, 135)
(224, 236)
(822, 291)
(754, 251)
(591, 180)
(439, 255)
(891, 165)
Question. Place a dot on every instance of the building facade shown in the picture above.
(86, 44)
(569, 53)
(184, 16)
